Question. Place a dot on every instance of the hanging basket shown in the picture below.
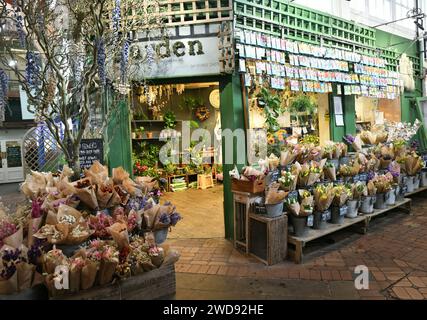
(203, 113)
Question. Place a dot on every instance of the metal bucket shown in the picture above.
(380, 202)
(320, 219)
(392, 194)
(300, 225)
(423, 182)
(353, 208)
(274, 210)
(338, 214)
(417, 181)
(410, 184)
(161, 235)
(367, 204)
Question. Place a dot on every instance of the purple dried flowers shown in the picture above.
(174, 218)
(36, 208)
(349, 139)
(101, 60)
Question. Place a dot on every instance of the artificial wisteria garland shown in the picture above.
(4, 85)
(32, 69)
(124, 61)
(116, 19)
(101, 60)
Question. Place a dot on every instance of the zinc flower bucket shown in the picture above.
(300, 225)
(417, 181)
(367, 204)
(161, 235)
(392, 195)
(403, 190)
(423, 182)
(352, 208)
(380, 202)
(410, 184)
(338, 214)
(274, 210)
(320, 219)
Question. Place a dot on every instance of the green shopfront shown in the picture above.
(194, 54)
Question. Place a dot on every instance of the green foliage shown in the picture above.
(170, 169)
(191, 103)
(170, 120)
(302, 104)
(194, 124)
(272, 109)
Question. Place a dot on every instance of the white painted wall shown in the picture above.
(11, 134)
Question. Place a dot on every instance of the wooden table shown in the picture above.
(416, 191)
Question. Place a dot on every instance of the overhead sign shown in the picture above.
(174, 58)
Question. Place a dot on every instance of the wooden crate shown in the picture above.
(268, 238)
(156, 284)
(243, 204)
(248, 186)
(205, 181)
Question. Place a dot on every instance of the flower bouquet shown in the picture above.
(341, 194)
(394, 169)
(310, 173)
(350, 170)
(330, 151)
(288, 181)
(368, 137)
(413, 164)
(355, 142)
(273, 195)
(289, 155)
(273, 162)
(382, 183)
(359, 190)
(323, 197)
(16, 274)
(330, 171)
(85, 191)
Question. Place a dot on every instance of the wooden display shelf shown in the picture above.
(298, 243)
(416, 191)
(156, 284)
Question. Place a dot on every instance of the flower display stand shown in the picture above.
(416, 191)
(205, 181)
(156, 284)
(297, 244)
(268, 238)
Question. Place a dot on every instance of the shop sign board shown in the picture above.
(172, 58)
(91, 150)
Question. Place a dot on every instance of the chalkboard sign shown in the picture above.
(91, 150)
(14, 157)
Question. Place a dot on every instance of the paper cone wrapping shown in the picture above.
(82, 236)
(25, 272)
(274, 195)
(123, 194)
(65, 210)
(50, 285)
(287, 157)
(15, 240)
(147, 183)
(295, 208)
(88, 274)
(273, 162)
(357, 144)
(129, 186)
(106, 272)
(50, 262)
(340, 200)
(384, 163)
(37, 279)
(75, 277)
(119, 175)
(323, 202)
(372, 190)
(88, 197)
(150, 216)
(309, 201)
(9, 286)
(119, 232)
(158, 260)
(33, 226)
(97, 172)
(312, 179)
(65, 187)
(330, 172)
(250, 171)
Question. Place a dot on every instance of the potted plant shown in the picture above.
(170, 120)
(140, 132)
(272, 109)
(302, 106)
(149, 134)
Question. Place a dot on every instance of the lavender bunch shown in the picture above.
(32, 68)
(165, 219)
(101, 61)
(349, 139)
(175, 218)
(9, 259)
(4, 86)
(36, 251)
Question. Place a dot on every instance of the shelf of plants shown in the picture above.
(325, 188)
(98, 228)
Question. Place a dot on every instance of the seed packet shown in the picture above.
(294, 85)
(242, 65)
(248, 80)
(260, 53)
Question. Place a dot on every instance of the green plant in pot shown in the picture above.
(170, 120)
(302, 107)
(272, 109)
(140, 132)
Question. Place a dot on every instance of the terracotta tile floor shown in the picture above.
(394, 250)
(202, 211)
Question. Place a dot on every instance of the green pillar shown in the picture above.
(232, 117)
(119, 152)
(349, 111)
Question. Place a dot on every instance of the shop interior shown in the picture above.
(160, 113)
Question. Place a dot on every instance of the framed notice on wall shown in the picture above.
(338, 112)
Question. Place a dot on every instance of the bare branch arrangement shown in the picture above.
(73, 50)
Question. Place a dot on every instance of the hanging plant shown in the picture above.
(272, 109)
(101, 61)
(203, 113)
(32, 69)
(302, 106)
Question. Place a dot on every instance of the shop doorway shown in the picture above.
(11, 167)
(191, 178)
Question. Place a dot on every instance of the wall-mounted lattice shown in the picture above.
(184, 12)
(41, 151)
(283, 19)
